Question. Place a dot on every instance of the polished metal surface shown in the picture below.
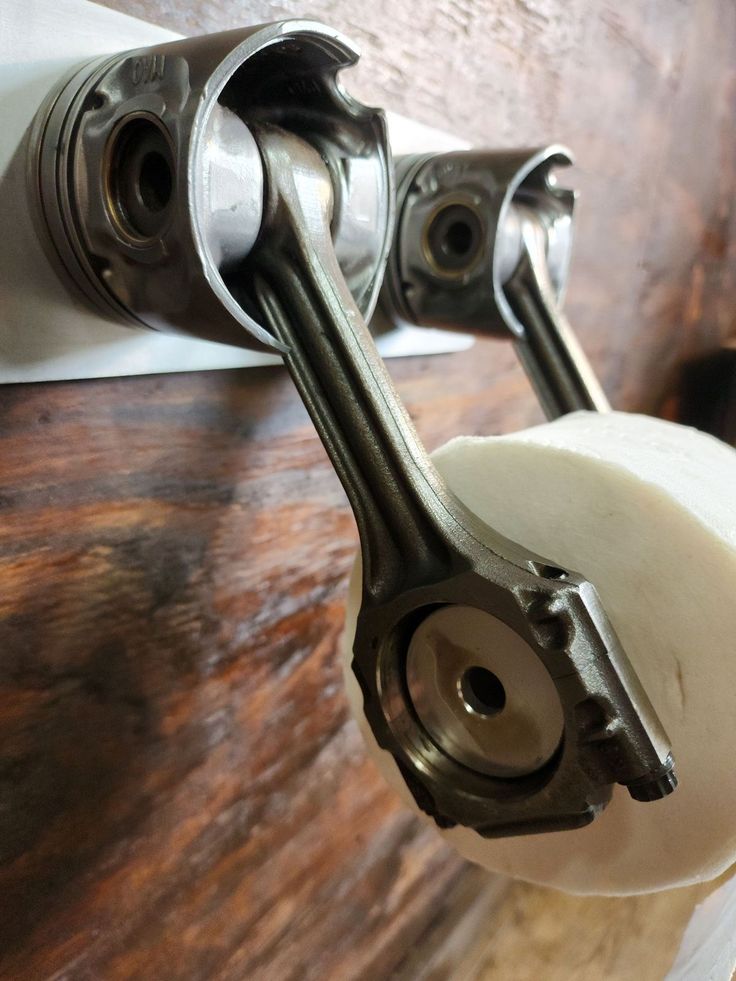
(229, 191)
(423, 552)
(149, 187)
(482, 243)
(548, 349)
(482, 693)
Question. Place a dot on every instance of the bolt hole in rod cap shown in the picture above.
(150, 180)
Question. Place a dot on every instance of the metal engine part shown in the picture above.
(227, 187)
(482, 243)
(445, 598)
(149, 184)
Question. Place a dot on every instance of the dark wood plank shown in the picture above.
(178, 767)
(182, 793)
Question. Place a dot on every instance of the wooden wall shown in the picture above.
(182, 792)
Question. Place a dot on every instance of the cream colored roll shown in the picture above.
(646, 510)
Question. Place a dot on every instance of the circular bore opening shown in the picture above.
(155, 181)
(454, 238)
(140, 177)
(469, 690)
(458, 238)
(482, 691)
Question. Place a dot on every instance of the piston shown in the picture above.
(149, 184)
(483, 243)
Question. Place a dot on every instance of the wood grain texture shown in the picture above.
(182, 793)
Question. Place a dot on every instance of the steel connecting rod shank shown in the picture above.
(423, 552)
(548, 349)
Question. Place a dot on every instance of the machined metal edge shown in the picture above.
(53, 158)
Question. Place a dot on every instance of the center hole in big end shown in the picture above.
(482, 692)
